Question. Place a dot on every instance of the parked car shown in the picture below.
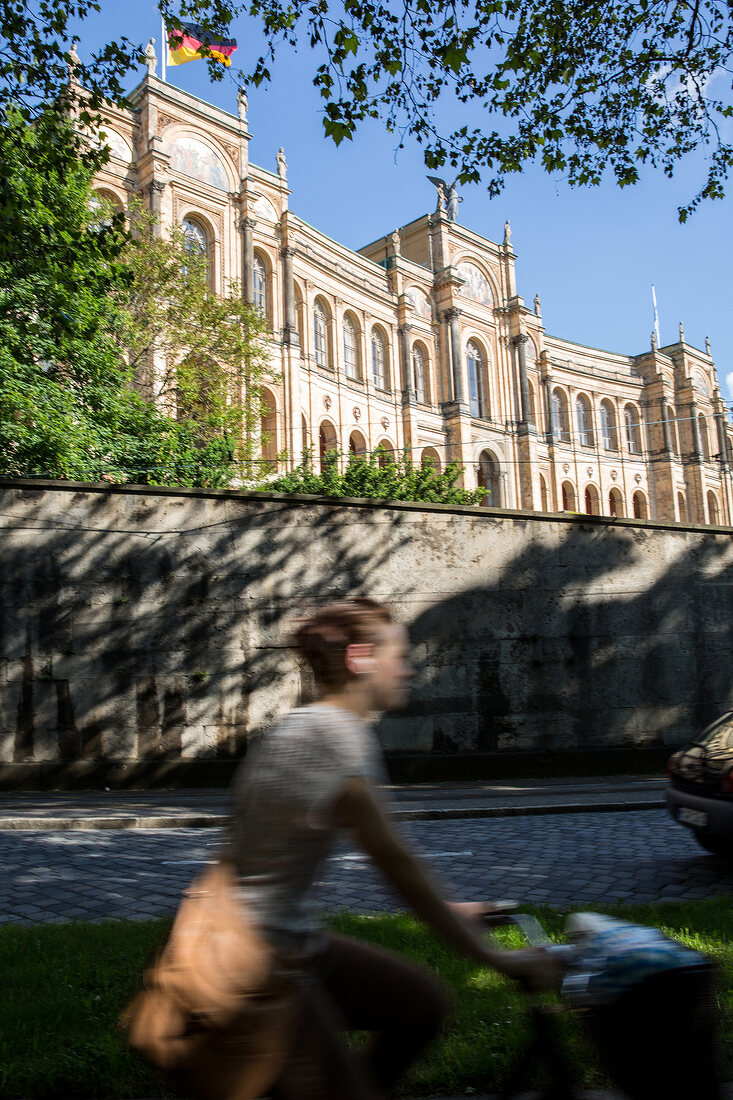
(700, 792)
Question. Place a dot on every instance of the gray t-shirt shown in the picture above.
(283, 829)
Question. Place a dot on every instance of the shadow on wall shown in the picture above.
(142, 629)
(138, 627)
(590, 643)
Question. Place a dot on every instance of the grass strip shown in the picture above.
(65, 985)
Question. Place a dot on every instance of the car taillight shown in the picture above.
(727, 783)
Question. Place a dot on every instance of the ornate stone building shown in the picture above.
(419, 341)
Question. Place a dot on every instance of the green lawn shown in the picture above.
(64, 987)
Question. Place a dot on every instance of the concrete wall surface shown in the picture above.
(142, 628)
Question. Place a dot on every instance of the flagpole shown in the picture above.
(164, 44)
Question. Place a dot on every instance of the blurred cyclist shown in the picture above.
(314, 774)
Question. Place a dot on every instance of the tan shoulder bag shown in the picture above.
(214, 1012)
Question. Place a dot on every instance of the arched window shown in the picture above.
(419, 374)
(682, 508)
(615, 504)
(299, 312)
(568, 496)
(631, 421)
(672, 425)
(585, 424)
(713, 509)
(327, 445)
(352, 366)
(532, 405)
(385, 453)
(704, 438)
(608, 427)
(196, 241)
(304, 437)
(269, 433)
(259, 286)
(194, 237)
(430, 457)
(488, 477)
(103, 205)
(476, 395)
(357, 445)
(544, 496)
(379, 360)
(560, 428)
(592, 501)
(639, 505)
(320, 334)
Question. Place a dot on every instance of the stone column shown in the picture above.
(724, 456)
(520, 342)
(451, 316)
(696, 440)
(722, 439)
(290, 328)
(547, 386)
(248, 258)
(155, 195)
(408, 388)
(665, 428)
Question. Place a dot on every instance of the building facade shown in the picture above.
(419, 343)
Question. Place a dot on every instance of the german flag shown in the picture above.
(185, 44)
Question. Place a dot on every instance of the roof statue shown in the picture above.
(448, 192)
(151, 59)
(507, 233)
(73, 61)
(282, 164)
(242, 105)
(396, 242)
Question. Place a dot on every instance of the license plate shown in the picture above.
(692, 817)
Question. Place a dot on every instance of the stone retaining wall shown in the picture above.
(145, 628)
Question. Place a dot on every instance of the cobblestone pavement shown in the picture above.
(559, 859)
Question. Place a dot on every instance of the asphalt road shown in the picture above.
(555, 859)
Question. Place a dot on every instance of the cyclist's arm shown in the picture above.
(358, 808)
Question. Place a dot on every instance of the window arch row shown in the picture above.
(380, 359)
(584, 419)
(321, 332)
(351, 333)
(476, 363)
(421, 372)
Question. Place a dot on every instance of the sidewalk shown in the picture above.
(175, 809)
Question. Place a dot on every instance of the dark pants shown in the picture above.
(356, 986)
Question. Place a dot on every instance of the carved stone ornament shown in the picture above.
(232, 151)
(356, 413)
(589, 471)
(384, 422)
(566, 467)
(614, 475)
(164, 120)
(637, 479)
(327, 402)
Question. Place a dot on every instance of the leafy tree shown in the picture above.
(578, 87)
(200, 353)
(377, 477)
(70, 298)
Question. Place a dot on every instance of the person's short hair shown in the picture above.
(322, 639)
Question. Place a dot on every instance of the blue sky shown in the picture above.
(592, 254)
